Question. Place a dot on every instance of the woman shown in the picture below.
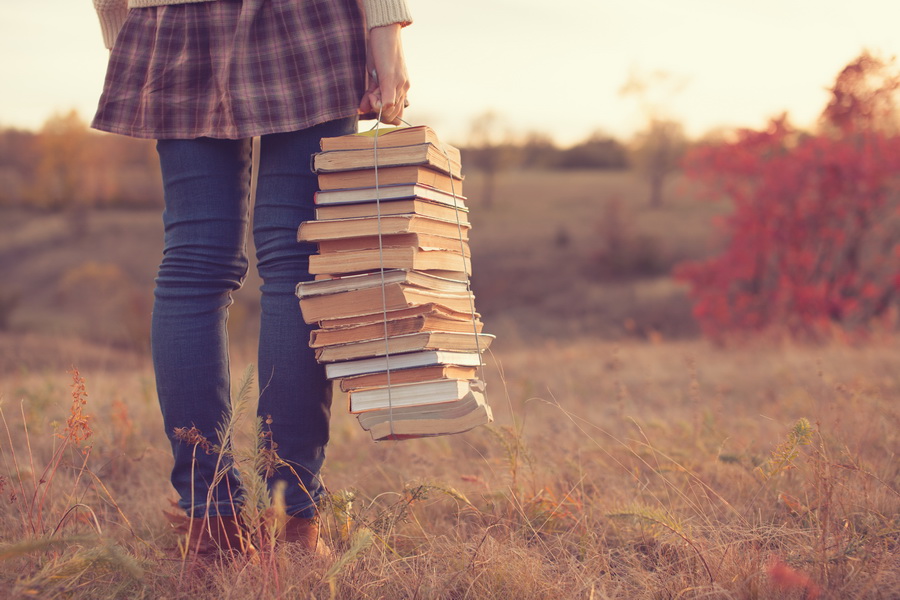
(202, 77)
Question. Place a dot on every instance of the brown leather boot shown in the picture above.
(305, 533)
(210, 536)
(301, 531)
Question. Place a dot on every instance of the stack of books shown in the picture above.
(396, 319)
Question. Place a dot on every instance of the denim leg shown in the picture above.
(206, 184)
(294, 395)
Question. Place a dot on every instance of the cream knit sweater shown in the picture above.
(112, 13)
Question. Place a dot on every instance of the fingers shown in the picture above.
(366, 104)
(391, 105)
(393, 88)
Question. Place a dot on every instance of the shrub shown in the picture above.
(814, 239)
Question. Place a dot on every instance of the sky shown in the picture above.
(552, 67)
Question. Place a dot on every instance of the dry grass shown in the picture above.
(581, 253)
(675, 470)
(645, 469)
(559, 253)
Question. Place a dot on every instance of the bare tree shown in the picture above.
(656, 154)
(656, 150)
(491, 149)
(538, 151)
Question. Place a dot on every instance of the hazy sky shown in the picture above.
(551, 66)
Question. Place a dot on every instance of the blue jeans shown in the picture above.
(207, 196)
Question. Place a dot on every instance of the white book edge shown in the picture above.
(410, 394)
(399, 191)
(409, 360)
(358, 281)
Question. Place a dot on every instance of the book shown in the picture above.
(395, 156)
(456, 407)
(401, 257)
(386, 193)
(408, 394)
(465, 412)
(332, 229)
(435, 210)
(456, 416)
(440, 273)
(413, 375)
(411, 342)
(346, 283)
(390, 176)
(406, 240)
(376, 300)
(378, 330)
(403, 313)
(429, 425)
(396, 320)
(411, 360)
(387, 137)
(458, 275)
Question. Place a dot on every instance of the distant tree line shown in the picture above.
(654, 153)
(539, 151)
(66, 165)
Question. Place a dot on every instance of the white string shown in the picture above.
(462, 251)
(465, 271)
(387, 346)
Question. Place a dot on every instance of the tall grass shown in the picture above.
(674, 470)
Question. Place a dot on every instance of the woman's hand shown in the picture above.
(387, 90)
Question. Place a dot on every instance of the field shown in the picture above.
(629, 458)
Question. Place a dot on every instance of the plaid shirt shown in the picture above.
(233, 68)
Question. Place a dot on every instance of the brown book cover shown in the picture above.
(403, 257)
(344, 283)
(375, 300)
(403, 313)
(390, 176)
(407, 240)
(417, 154)
(316, 231)
(402, 376)
(371, 331)
(387, 137)
(413, 342)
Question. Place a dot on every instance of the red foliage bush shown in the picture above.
(814, 238)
